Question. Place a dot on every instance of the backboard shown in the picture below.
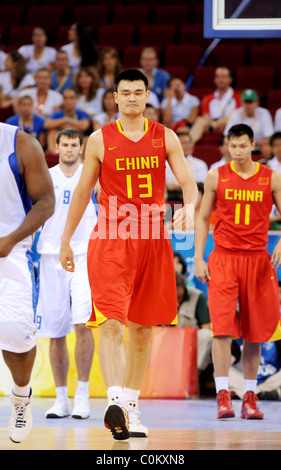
(242, 18)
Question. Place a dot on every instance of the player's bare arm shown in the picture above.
(276, 194)
(203, 223)
(33, 167)
(81, 196)
(184, 217)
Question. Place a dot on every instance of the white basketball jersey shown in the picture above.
(50, 237)
(15, 202)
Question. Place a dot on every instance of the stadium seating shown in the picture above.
(116, 35)
(91, 15)
(135, 15)
(157, 34)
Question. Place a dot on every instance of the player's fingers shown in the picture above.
(276, 259)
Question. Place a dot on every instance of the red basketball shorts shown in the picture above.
(132, 280)
(243, 296)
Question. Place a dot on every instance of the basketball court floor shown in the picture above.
(174, 425)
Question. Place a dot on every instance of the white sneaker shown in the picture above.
(20, 422)
(135, 427)
(116, 419)
(61, 409)
(81, 408)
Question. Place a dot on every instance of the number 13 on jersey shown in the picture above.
(144, 183)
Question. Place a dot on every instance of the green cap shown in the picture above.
(250, 95)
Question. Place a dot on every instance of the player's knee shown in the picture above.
(113, 330)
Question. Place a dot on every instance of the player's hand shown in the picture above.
(183, 219)
(66, 257)
(202, 271)
(6, 246)
(276, 256)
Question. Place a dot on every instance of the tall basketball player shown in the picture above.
(130, 258)
(240, 270)
(27, 202)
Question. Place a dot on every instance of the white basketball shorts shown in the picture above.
(64, 298)
(17, 301)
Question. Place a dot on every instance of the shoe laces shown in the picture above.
(251, 398)
(224, 397)
(79, 398)
(133, 412)
(20, 415)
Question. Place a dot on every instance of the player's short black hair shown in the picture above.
(240, 129)
(131, 75)
(71, 133)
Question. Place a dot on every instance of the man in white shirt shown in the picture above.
(216, 107)
(46, 101)
(198, 166)
(179, 104)
(258, 118)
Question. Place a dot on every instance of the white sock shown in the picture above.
(130, 395)
(61, 393)
(82, 388)
(250, 385)
(21, 391)
(222, 383)
(114, 393)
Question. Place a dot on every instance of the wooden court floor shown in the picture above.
(174, 425)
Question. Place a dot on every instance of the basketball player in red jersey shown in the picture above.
(130, 258)
(240, 268)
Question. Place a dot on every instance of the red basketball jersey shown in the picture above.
(132, 175)
(243, 207)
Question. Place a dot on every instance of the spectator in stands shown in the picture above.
(275, 162)
(193, 311)
(200, 187)
(89, 95)
(45, 100)
(198, 166)
(179, 105)
(3, 55)
(109, 66)
(179, 263)
(14, 79)
(28, 121)
(152, 113)
(62, 76)
(37, 55)
(258, 118)
(225, 155)
(216, 107)
(157, 78)
(277, 120)
(110, 110)
(68, 116)
(81, 50)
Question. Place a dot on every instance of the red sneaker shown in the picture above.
(249, 408)
(225, 409)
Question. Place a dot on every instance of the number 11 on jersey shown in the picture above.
(237, 219)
